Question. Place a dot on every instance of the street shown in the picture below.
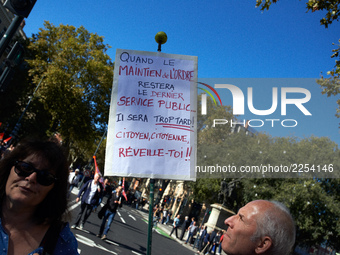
(128, 234)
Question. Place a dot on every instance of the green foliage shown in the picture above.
(330, 86)
(330, 6)
(208, 134)
(76, 87)
(206, 190)
(314, 203)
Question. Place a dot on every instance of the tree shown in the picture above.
(77, 77)
(330, 6)
(313, 206)
(209, 139)
(331, 85)
(314, 202)
(207, 134)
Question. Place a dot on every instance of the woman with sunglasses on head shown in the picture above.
(33, 201)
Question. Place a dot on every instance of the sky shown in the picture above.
(231, 38)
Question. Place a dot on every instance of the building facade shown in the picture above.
(6, 18)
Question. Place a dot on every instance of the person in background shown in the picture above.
(202, 233)
(73, 179)
(211, 241)
(112, 205)
(107, 188)
(175, 225)
(168, 216)
(192, 230)
(107, 191)
(219, 251)
(33, 198)
(158, 214)
(216, 242)
(90, 193)
(165, 213)
(205, 243)
(184, 227)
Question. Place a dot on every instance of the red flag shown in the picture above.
(2, 136)
(101, 180)
(7, 139)
(123, 189)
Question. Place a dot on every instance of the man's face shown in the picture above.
(96, 177)
(241, 227)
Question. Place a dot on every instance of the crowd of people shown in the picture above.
(35, 184)
(210, 242)
(197, 236)
(161, 214)
(91, 193)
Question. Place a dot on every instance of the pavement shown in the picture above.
(161, 228)
(167, 230)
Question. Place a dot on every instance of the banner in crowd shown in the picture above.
(152, 121)
(97, 171)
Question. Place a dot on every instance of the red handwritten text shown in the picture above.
(134, 101)
(167, 95)
(173, 105)
(136, 71)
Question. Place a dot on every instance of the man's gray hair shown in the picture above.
(278, 224)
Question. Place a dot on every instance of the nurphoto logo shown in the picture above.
(238, 105)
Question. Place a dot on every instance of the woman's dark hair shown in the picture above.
(55, 203)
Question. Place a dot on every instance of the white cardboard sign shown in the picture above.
(152, 121)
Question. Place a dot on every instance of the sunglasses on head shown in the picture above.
(24, 169)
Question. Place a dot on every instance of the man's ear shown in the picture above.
(264, 244)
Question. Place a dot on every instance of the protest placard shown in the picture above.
(152, 121)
